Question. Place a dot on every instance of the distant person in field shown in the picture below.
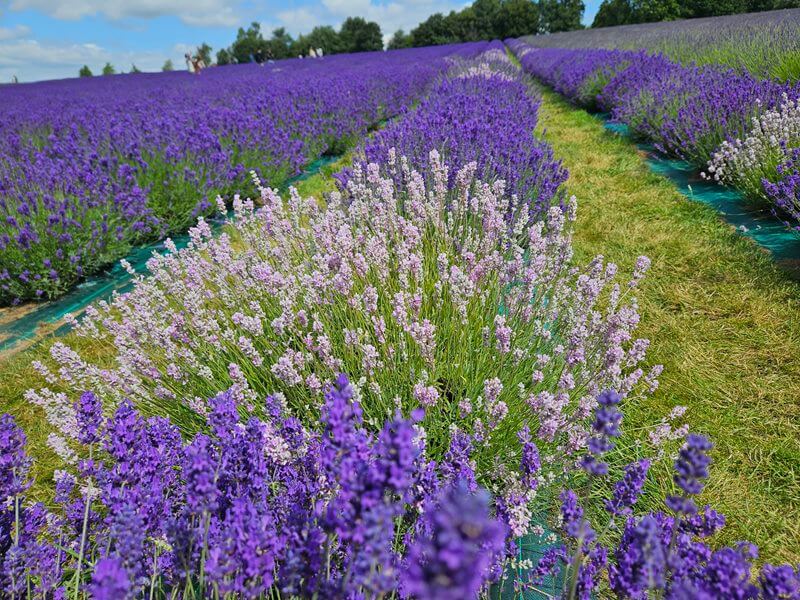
(270, 56)
(319, 52)
(189, 65)
(312, 53)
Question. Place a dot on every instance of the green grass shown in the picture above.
(722, 319)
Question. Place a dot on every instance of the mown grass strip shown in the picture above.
(722, 319)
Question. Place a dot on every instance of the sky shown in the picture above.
(52, 39)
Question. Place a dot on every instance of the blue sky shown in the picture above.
(46, 39)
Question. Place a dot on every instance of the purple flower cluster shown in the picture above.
(90, 167)
(247, 509)
(484, 111)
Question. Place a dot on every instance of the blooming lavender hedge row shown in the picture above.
(484, 111)
(265, 507)
(89, 167)
(766, 163)
(742, 128)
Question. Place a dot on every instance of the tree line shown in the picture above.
(628, 12)
(355, 35)
(493, 19)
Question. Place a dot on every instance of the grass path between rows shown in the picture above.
(722, 319)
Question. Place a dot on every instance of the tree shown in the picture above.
(399, 40)
(280, 44)
(517, 18)
(224, 57)
(204, 52)
(135, 69)
(561, 15)
(325, 37)
(168, 66)
(487, 14)
(108, 69)
(651, 11)
(359, 35)
(613, 12)
(434, 31)
(85, 71)
(248, 42)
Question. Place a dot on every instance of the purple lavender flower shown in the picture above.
(640, 559)
(628, 489)
(453, 560)
(691, 468)
(575, 525)
(727, 574)
(779, 583)
(530, 463)
(241, 551)
(14, 462)
(607, 418)
(703, 524)
(89, 412)
(549, 564)
(109, 580)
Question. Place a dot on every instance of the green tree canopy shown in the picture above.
(517, 18)
(322, 36)
(648, 11)
(168, 66)
(359, 35)
(399, 40)
(135, 69)
(561, 15)
(85, 71)
(204, 52)
(224, 57)
(613, 12)
(108, 69)
(248, 42)
(279, 45)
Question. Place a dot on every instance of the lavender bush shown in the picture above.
(763, 163)
(90, 167)
(266, 507)
(764, 44)
(429, 296)
(249, 509)
(484, 111)
(737, 125)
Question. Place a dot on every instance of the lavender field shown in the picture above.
(413, 384)
(90, 168)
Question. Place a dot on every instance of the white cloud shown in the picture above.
(30, 60)
(296, 21)
(390, 16)
(192, 12)
(13, 33)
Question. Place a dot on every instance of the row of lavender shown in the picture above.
(485, 113)
(742, 131)
(90, 167)
(482, 357)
